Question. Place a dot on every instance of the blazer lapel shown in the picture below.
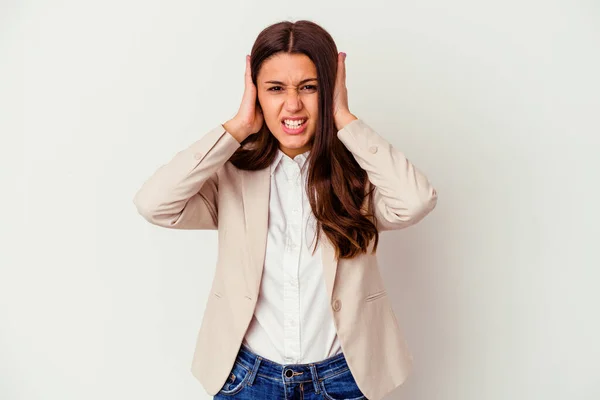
(256, 187)
(255, 196)
(330, 263)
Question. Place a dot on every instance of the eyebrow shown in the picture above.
(300, 83)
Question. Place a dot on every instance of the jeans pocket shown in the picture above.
(238, 377)
(341, 387)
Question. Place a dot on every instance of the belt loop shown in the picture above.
(254, 370)
(315, 378)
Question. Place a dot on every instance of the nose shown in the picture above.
(292, 101)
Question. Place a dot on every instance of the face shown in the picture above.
(288, 95)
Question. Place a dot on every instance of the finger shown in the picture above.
(248, 73)
(342, 67)
(248, 86)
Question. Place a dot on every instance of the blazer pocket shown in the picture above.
(376, 295)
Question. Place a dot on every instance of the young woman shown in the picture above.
(298, 188)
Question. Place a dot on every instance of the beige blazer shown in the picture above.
(200, 189)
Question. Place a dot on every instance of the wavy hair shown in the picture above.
(336, 184)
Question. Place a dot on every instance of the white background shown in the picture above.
(496, 102)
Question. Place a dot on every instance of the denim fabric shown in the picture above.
(255, 377)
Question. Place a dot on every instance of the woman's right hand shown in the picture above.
(249, 118)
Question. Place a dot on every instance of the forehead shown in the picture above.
(287, 68)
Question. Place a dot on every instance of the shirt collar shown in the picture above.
(300, 159)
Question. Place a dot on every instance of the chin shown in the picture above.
(293, 144)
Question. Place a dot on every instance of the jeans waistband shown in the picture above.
(291, 373)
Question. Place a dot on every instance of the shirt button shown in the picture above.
(373, 149)
(337, 305)
(198, 156)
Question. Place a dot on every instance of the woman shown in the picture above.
(298, 188)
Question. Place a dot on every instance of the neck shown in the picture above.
(294, 152)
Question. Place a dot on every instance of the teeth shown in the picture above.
(293, 124)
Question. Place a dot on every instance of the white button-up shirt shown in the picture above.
(292, 322)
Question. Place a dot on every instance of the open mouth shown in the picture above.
(294, 126)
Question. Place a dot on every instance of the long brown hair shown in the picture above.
(336, 184)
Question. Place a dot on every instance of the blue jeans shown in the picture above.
(255, 377)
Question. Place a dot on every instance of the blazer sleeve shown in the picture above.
(182, 194)
(403, 195)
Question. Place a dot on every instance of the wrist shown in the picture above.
(344, 119)
(235, 130)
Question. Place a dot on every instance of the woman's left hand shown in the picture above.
(341, 114)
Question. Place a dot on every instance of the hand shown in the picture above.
(249, 118)
(341, 114)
